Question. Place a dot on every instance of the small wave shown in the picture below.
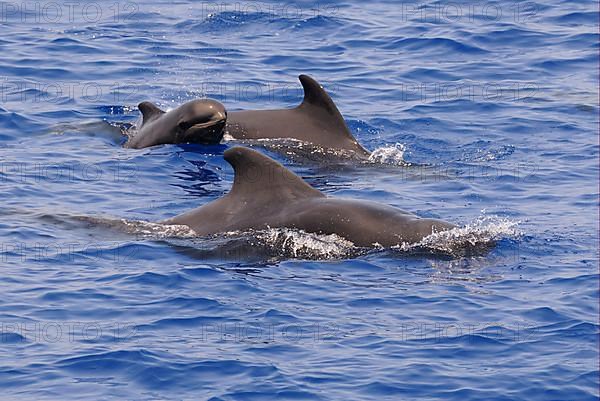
(227, 21)
(393, 155)
(480, 234)
(422, 44)
(142, 228)
(492, 155)
(7, 337)
(102, 129)
(117, 110)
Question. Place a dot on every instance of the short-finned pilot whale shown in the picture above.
(316, 121)
(267, 195)
(198, 121)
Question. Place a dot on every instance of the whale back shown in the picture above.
(267, 195)
(316, 120)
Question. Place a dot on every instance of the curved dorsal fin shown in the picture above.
(315, 98)
(258, 176)
(149, 111)
(315, 95)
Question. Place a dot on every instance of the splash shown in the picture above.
(269, 244)
(392, 155)
(480, 234)
(227, 137)
(300, 244)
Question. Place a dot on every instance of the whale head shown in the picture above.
(200, 121)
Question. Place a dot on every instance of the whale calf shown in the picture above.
(198, 121)
(316, 120)
(267, 195)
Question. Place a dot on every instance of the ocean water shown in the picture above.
(484, 114)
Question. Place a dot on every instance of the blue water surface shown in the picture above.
(498, 100)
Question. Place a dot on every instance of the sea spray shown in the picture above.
(392, 155)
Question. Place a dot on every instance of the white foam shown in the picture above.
(298, 243)
(484, 230)
(393, 155)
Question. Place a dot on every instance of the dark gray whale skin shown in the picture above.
(316, 120)
(267, 195)
(198, 121)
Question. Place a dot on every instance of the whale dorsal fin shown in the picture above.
(149, 111)
(315, 97)
(258, 176)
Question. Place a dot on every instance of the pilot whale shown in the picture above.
(267, 195)
(316, 120)
(198, 121)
